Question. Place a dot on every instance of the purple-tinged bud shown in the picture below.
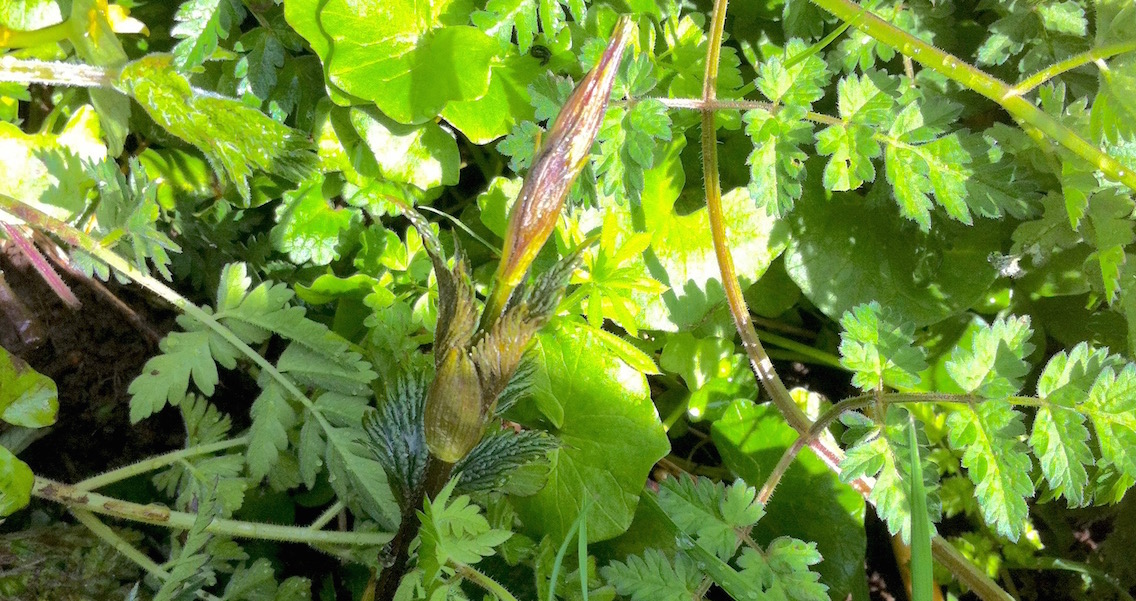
(554, 169)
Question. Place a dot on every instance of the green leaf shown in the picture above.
(922, 581)
(502, 107)
(501, 17)
(798, 85)
(257, 582)
(308, 227)
(783, 571)
(165, 378)
(629, 141)
(425, 156)
(27, 397)
(1112, 408)
(272, 418)
(681, 253)
(852, 148)
(988, 434)
(259, 67)
(777, 162)
(236, 138)
(454, 531)
(16, 481)
(655, 577)
(47, 168)
(1059, 437)
(410, 59)
(994, 364)
(879, 349)
(601, 411)
(845, 252)
(1066, 17)
(710, 512)
(810, 503)
(880, 451)
(199, 25)
(359, 480)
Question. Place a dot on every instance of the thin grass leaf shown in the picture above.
(922, 581)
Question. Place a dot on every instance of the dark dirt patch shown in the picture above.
(92, 354)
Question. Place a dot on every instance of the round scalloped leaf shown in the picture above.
(409, 58)
(610, 434)
(846, 251)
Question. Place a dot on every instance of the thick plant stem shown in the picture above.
(943, 552)
(1010, 98)
(14, 70)
(160, 515)
(437, 473)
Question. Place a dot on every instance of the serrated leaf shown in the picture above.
(234, 137)
(165, 378)
(994, 364)
(882, 452)
(628, 143)
(272, 418)
(308, 227)
(989, 436)
(698, 508)
(879, 348)
(1111, 407)
(655, 577)
(358, 480)
(199, 25)
(454, 531)
(513, 462)
(777, 161)
(798, 85)
(852, 148)
(257, 69)
(783, 571)
(1066, 17)
(810, 503)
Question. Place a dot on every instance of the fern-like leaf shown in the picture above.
(989, 435)
(709, 513)
(782, 571)
(653, 576)
(878, 348)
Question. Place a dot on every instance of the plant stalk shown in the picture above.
(23, 71)
(156, 462)
(986, 588)
(1010, 98)
(160, 515)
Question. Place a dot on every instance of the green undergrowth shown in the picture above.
(929, 211)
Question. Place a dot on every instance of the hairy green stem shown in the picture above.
(473, 575)
(23, 71)
(328, 514)
(1009, 98)
(160, 515)
(1079, 60)
(110, 537)
(986, 588)
(156, 462)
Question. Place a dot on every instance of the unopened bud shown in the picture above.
(554, 169)
(455, 415)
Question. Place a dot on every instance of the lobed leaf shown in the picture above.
(988, 435)
(653, 576)
(879, 348)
